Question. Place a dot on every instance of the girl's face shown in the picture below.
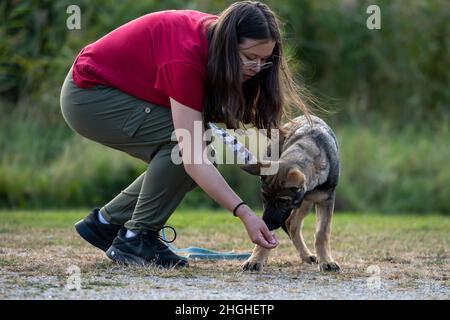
(254, 55)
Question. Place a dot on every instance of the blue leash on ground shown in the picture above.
(202, 253)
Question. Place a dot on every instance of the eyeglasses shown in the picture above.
(254, 64)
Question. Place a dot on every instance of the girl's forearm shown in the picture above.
(211, 181)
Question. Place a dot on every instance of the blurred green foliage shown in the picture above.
(386, 90)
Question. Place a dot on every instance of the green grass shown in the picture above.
(351, 231)
(196, 219)
(359, 234)
(407, 248)
(221, 220)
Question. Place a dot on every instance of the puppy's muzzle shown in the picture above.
(276, 218)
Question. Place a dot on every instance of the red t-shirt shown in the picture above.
(154, 57)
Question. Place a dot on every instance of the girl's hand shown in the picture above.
(257, 229)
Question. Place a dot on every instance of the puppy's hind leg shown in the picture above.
(294, 225)
(324, 213)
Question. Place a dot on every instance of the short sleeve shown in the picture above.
(183, 82)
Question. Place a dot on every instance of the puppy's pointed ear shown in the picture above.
(295, 179)
(255, 168)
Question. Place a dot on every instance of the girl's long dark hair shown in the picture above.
(263, 100)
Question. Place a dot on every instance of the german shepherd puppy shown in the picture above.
(308, 172)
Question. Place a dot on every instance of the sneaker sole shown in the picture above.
(121, 257)
(87, 234)
(125, 258)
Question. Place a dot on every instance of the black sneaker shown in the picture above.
(96, 233)
(144, 249)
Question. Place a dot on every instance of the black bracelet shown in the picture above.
(235, 208)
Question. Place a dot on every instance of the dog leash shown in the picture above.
(202, 253)
(231, 142)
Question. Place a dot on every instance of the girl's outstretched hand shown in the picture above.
(257, 229)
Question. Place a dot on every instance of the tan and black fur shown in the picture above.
(308, 173)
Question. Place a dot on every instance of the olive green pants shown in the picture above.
(141, 129)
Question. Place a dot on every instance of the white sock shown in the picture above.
(129, 234)
(101, 218)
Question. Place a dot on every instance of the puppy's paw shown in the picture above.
(252, 266)
(311, 259)
(329, 267)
